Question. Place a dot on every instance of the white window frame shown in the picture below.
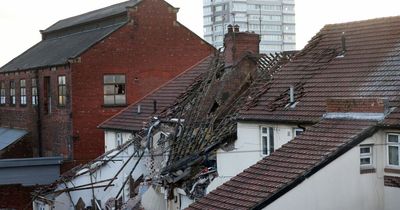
(295, 130)
(367, 155)
(267, 151)
(119, 140)
(393, 144)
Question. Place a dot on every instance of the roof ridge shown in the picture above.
(372, 20)
(86, 31)
(49, 29)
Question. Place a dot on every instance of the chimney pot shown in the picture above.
(230, 28)
(236, 28)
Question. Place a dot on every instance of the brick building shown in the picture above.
(86, 69)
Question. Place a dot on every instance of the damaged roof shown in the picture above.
(130, 120)
(367, 67)
(57, 51)
(288, 166)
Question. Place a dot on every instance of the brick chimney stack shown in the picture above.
(237, 44)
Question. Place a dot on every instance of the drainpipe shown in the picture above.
(39, 115)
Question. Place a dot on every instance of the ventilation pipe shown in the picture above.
(291, 94)
(343, 43)
(155, 106)
(139, 109)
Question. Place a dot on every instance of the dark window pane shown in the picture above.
(393, 155)
(264, 130)
(365, 161)
(365, 150)
(393, 138)
(265, 145)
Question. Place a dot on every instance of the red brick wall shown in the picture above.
(369, 105)
(15, 197)
(150, 50)
(56, 126)
(18, 116)
(238, 43)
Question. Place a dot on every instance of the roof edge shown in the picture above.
(345, 148)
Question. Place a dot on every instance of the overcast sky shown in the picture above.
(21, 20)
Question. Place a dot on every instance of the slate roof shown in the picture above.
(8, 136)
(288, 166)
(369, 68)
(57, 51)
(102, 13)
(129, 120)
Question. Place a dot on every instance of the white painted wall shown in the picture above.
(248, 150)
(110, 139)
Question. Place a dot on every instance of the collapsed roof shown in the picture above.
(349, 60)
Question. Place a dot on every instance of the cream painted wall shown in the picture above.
(392, 198)
(340, 185)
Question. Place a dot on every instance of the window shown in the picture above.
(366, 155)
(118, 137)
(114, 90)
(219, 18)
(207, 20)
(297, 131)
(34, 92)
(289, 19)
(2, 93)
(271, 37)
(22, 87)
(267, 140)
(218, 28)
(62, 90)
(393, 146)
(219, 8)
(12, 92)
(240, 7)
(289, 28)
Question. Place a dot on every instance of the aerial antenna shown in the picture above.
(259, 7)
(248, 25)
(223, 24)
